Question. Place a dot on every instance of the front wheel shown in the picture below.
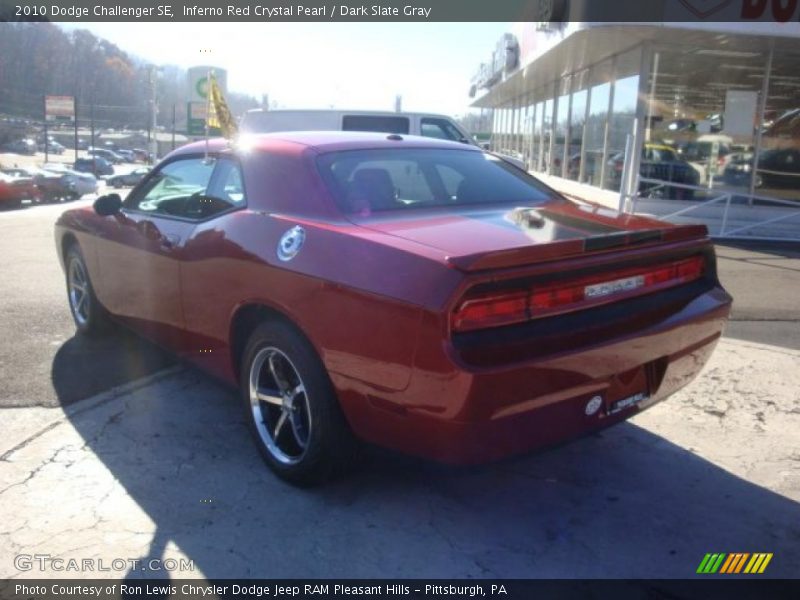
(291, 407)
(89, 316)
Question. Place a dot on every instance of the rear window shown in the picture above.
(375, 123)
(367, 181)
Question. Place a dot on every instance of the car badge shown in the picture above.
(291, 242)
(593, 405)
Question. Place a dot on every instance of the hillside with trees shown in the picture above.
(38, 59)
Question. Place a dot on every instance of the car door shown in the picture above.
(140, 254)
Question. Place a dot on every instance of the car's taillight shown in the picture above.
(505, 308)
(491, 311)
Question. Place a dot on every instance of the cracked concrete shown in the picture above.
(164, 468)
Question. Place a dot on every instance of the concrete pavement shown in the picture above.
(164, 469)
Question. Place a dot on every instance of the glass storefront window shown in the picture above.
(703, 113)
(527, 125)
(536, 151)
(576, 122)
(561, 133)
(777, 169)
(623, 116)
(547, 132)
(596, 133)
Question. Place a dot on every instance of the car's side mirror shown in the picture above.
(108, 205)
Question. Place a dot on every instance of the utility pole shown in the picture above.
(46, 145)
(76, 128)
(153, 109)
(173, 126)
(91, 123)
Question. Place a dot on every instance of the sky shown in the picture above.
(324, 65)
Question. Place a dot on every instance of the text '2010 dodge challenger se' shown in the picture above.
(416, 294)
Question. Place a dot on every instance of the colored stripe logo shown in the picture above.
(734, 563)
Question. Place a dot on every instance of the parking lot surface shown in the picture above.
(167, 470)
(109, 450)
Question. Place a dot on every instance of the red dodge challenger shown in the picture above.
(417, 294)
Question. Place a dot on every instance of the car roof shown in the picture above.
(341, 111)
(295, 142)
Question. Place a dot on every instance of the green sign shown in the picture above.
(196, 120)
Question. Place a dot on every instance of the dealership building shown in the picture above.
(694, 102)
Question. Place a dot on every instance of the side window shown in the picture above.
(375, 123)
(170, 190)
(441, 129)
(192, 188)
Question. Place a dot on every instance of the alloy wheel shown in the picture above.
(280, 407)
(79, 299)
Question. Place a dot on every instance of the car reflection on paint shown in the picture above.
(418, 294)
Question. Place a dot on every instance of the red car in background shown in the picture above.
(13, 190)
(417, 294)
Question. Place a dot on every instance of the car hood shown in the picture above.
(515, 235)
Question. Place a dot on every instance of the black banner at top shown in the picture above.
(776, 11)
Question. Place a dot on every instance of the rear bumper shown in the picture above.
(465, 415)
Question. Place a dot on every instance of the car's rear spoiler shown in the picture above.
(530, 254)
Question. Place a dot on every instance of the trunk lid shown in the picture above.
(478, 238)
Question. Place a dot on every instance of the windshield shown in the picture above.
(367, 181)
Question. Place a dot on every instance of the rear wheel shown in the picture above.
(89, 316)
(291, 407)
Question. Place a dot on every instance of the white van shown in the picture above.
(424, 124)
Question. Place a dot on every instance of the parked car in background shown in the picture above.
(54, 185)
(128, 155)
(778, 168)
(106, 154)
(414, 293)
(15, 189)
(53, 147)
(84, 183)
(128, 179)
(658, 162)
(25, 146)
(96, 166)
(144, 156)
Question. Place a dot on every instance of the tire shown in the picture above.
(286, 389)
(89, 315)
